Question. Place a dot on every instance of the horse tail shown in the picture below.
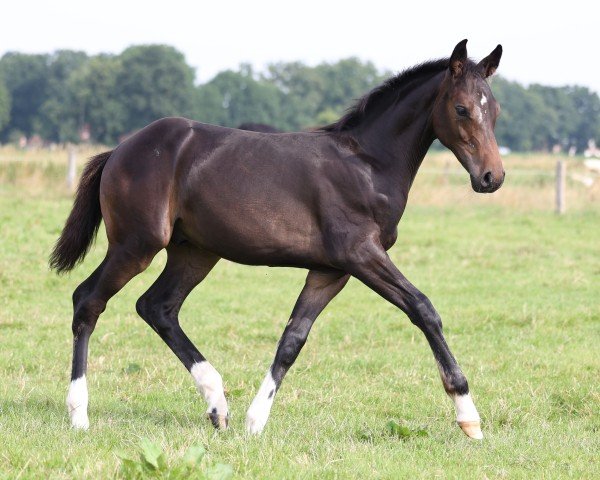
(84, 220)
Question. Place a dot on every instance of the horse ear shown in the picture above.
(458, 58)
(489, 64)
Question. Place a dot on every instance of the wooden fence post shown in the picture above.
(71, 168)
(561, 174)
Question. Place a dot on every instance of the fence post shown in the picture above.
(561, 174)
(71, 168)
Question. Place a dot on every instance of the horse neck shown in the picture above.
(397, 139)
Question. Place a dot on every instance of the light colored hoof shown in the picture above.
(472, 429)
(255, 423)
(79, 420)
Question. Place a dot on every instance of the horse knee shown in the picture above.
(434, 320)
(290, 348)
(424, 315)
(288, 352)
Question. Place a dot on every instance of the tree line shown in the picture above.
(69, 96)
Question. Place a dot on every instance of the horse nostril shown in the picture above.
(487, 179)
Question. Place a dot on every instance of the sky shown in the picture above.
(552, 43)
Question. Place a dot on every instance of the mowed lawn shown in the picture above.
(518, 291)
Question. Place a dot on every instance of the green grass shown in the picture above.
(518, 293)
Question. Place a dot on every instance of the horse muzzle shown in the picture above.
(488, 182)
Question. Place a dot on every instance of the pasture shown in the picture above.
(517, 288)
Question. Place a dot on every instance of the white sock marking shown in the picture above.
(465, 408)
(210, 384)
(77, 403)
(259, 410)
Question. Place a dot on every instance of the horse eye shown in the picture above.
(461, 111)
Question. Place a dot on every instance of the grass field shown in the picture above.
(518, 289)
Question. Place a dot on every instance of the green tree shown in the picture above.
(154, 81)
(539, 117)
(312, 94)
(303, 90)
(526, 122)
(558, 100)
(346, 81)
(232, 98)
(4, 104)
(26, 79)
(587, 105)
(94, 91)
(59, 117)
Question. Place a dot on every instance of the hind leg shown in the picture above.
(186, 267)
(121, 264)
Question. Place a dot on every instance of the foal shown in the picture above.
(328, 201)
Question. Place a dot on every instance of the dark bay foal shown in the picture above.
(328, 201)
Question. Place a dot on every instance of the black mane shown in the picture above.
(392, 87)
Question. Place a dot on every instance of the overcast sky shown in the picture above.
(553, 43)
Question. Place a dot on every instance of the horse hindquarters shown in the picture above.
(133, 191)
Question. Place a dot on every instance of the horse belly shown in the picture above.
(256, 230)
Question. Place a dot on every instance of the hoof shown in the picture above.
(472, 429)
(256, 418)
(255, 426)
(79, 418)
(80, 422)
(220, 422)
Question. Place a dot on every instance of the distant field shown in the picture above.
(529, 183)
(516, 285)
